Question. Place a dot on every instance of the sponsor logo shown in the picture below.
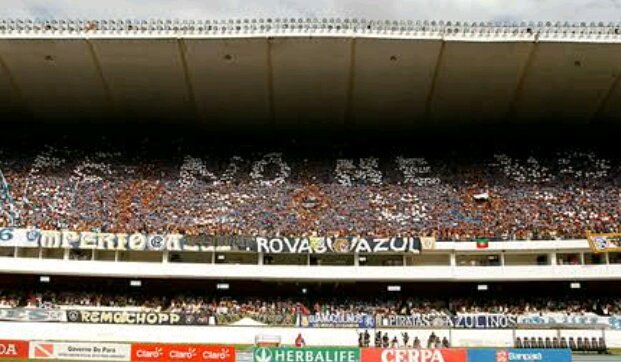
(222, 354)
(156, 242)
(525, 356)
(73, 316)
(502, 356)
(341, 245)
(33, 235)
(188, 354)
(44, 350)
(148, 354)
(262, 355)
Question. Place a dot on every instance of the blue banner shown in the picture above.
(338, 320)
(511, 354)
(484, 321)
(469, 321)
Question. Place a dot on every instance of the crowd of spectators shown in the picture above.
(495, 196)
(286, 309)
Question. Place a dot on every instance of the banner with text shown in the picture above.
(306, 354)
(10, 349)
(80, 351)
(182, 352)
(569, 321)
(342, 245)
(32, 315)
(23, 238)
(337, 320)
(413, 355)
(135, 317)
(54, 239)
(471, 321)
(509, 355)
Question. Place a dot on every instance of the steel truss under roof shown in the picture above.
(291, 72)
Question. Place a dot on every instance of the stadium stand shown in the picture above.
(258, 306)
(545, 196)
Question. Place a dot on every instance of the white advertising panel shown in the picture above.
(80, 351)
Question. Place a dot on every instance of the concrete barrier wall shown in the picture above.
(246, 335)
(613, 338)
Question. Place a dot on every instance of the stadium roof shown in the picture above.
(310, 71)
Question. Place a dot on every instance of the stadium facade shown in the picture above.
(293, 74)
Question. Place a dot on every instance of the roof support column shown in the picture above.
(349, 111)
(520, 85)
(432, 88)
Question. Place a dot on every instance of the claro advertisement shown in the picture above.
(182, 352)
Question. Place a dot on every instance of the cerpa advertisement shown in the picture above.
(413, 355)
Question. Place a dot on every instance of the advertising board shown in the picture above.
(80, 351)
(13, 349)
(509, 355)
(413, 355)
(182, 352)
(288, 354)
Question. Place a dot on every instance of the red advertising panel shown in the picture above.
(413, 355)
(13, 349)
(182, 352)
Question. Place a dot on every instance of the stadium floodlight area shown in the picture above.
(316, 26)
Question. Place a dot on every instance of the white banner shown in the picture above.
(32, 315)
(569, 321)
(23, 238)
(53, 239)
(80, 351)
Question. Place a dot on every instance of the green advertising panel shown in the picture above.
(290, 354)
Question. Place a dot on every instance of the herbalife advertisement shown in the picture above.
(286, 354)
